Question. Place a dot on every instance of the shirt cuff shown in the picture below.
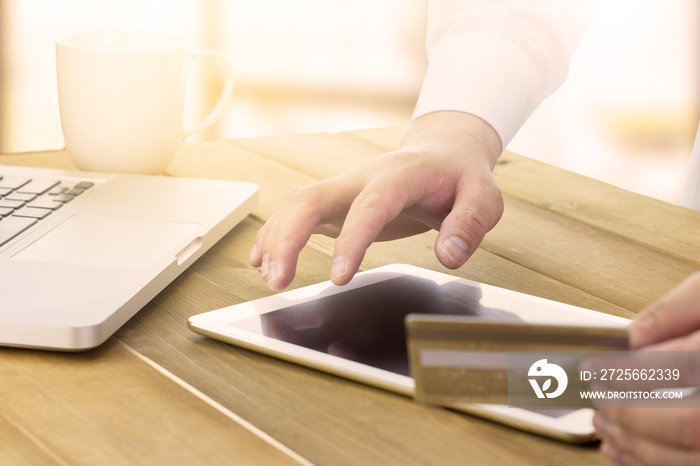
(486, 76)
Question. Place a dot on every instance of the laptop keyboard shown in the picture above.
(25, 201)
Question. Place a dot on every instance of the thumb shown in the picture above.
(476, 210)
(674, 315)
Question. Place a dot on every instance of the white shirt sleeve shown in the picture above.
(499, 59)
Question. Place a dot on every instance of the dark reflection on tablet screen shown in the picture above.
(367, 324)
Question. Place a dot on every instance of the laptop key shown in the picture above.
(57, 190)
(42, 203)
(31, 212)
(62, 198)
(84, 185)
(75, 191)
(13, 183)
(26, 197)
(38, 186)
(13, 226)
(5, 211)
(11, 204)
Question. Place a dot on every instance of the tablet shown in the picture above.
(357, 331)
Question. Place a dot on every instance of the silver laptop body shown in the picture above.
(81, 253)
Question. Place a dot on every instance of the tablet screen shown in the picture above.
(366, 324)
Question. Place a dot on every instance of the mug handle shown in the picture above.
(226, 93)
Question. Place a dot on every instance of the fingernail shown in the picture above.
(455, 248)
(601, 424)
(613, 454)
(253, 253)
(274, 272)
(339, 267)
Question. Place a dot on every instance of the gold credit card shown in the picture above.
(460, 359)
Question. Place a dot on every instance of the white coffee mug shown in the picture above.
(122, 98)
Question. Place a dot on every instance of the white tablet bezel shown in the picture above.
(220, 324)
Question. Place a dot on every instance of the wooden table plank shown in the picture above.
(107, 406)
(18, 449)
(652, 223)
(53, 159)
(592, 260)
(227, 160)
(318, 155)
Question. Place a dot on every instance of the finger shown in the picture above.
(672, 427)
(618, 457)
(674, 315)
(279, 261)
(377, 205)
(478, 207)
(625, 446)
(689, 343)
(256, 251)
(289, 229)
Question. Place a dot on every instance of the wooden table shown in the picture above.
(157, 393)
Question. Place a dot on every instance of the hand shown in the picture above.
(440, 178)
(649, 436)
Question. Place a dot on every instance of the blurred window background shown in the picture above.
(627, 114)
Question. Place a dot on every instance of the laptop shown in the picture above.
(81, 252)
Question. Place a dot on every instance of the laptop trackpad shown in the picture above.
(109, 242)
